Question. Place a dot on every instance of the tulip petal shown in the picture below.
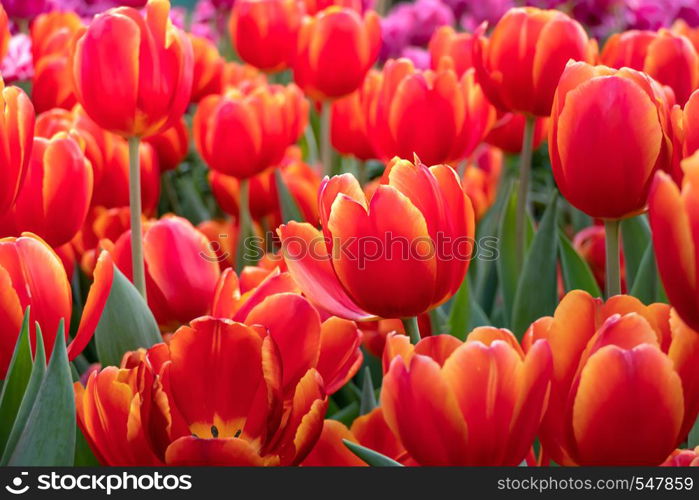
(330, 451)
(189, 451)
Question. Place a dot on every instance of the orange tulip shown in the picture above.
(686, 128)
(51, 33)
(611, 359)
(374, 333)
(180, 280)
(16, 133)
(589, 243)
(51, 87)
(368, 430)
(432, 114)
(669, 58)
(674, 222)
(32, 275)
(5, 34)
(315, 6)
(245, 131)
(211, 396)
(397, 255)
(520, 64)
(171, 146)
(265, 32)
(102, 227)
(336, 48)
(133, 75)
(207, 73)
(473, 403)
(508, 131)
(482, 178)
(682, 28)
(223, 236)
(331, 347)
(235, 74)
(349, 128)
(113, 188)
(56, 192)
(451, 49)
(609, 133)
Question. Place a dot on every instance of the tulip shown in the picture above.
(609, 360)
(590, 244)
(313, 7)
(51, 33)
(265, 32)
(686, 128)
(180, 281)
(56, 192)
(102, 227)
(331, 347)
(353, 271)
(482, 177)
(32, 276)
(621, 118)
(51, 84)
(26, 9)
(473, 403)
(508, 132)
(669, 58)
(171, 146)
(368, 430)
(133, 76)
(455, 50)
(16, 133)
(235, 75)
(5, 34)
(349, 127)
(432, 114)
(682, 458)
(673, 218)
(211, 396)
(681, 27)
(223, 236)
(208, 67)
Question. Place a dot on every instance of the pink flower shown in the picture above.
(18, 65)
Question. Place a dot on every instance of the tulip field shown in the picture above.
(349, 233)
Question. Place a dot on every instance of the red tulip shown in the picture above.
(315, 6)
(589, 243)
(211, 396)
(681, 27)
(353, 271)
(349, 128)
(51, 86)
(32, 275)
(51, 33)
(482, 178)
(508, 131)
(5, 34)
(522, 61)
(180, 281)
(223, 236)
(133, 75)
(451, 49)
(473, 403)
(432, 114)
(683, 458)
(101, 229)
(609, 133)
(265, 32)
(207, 73)
(245, 131)
(336, 48)
(669, 58)
(686, 127)
(16, 132)
(235, 74)
(609, 360)
(171, 146)
(57, 190)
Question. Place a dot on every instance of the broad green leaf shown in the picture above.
(287, 204)
(126, 323)
(647, 287)
(368, 400)
(460, 314)
(478, 316)
(693, 439)
(347, 414)
(635, 236)
(48, 438)
(576, 272)
(25, 408)
(507, 267)
(83, 454)
(18, 374)
(371, 457)
(537, 289)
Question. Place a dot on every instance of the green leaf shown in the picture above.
(647, 287)
(478, 316)
(537, 289)
(576, 272)
(16, 381)
(635, 237)
(347, 414)
(460, 314)
(507, 268)
(371, 457)
(367, 401)
(48, 438)
(126, 323)
(37, 376)
(287, 204)
(693, 439)
(83, 454)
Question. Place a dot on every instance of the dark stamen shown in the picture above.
(214, 431)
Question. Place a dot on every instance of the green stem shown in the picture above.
(523, 190)
(245, 225)
(412, 329)
(139, 273)
(613, 264)
(326, 149)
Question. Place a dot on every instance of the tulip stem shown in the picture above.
(412, 329)
(244, 226)
(525, 167)
(613, 269)
(139, 273)
(326, 149)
